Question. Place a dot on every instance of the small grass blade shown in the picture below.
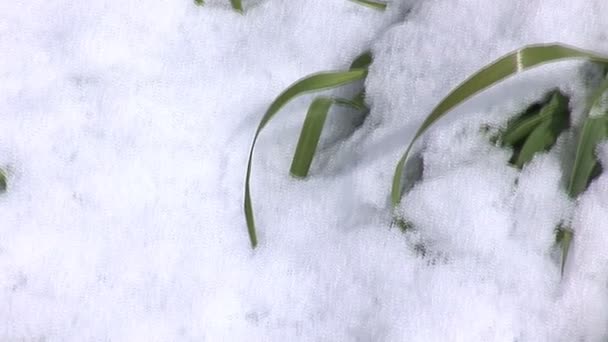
(595, 129)
(362, 61)
(311, 132)
(2, 181)
(237, 5)
(564, 238)
(199, 2)
(515, 62)
(520, 129)
(312, 83)
(555, 118)
(310, 135)
(372, 4)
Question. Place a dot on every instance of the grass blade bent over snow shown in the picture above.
(315, 82)
(515, 62)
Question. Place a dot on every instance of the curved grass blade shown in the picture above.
(372, 4)
(311, 132)
(520, 129)
(515, 62)
(237, 5)
(312, 83)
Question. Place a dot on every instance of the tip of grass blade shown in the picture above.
(237, 5)
(381, 6)
(564, 238)
(199, 2)
(2, 181)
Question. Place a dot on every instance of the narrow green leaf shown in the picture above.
(311, 132)
(555, 120)
(2, 181)
(564, 238)
(312, 83)
(511, 64)
(199, 2)
(310, 135)
(540, 139)
(373, 4)
(237, 5)
(595, 129)
(362, 61)
(520, 129)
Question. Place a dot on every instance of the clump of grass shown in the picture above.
(313, 124)
(535, 131)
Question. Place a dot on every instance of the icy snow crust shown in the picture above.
(125, 128)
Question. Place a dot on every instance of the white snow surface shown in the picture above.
(125, 128)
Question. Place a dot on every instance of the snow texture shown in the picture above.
(125, 128)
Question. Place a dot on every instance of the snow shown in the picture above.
(125, 128)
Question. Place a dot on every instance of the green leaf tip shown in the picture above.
(371, 4)
(199, 2)
(312, 83)
(2, 181)
(237, 5)
(511, 64)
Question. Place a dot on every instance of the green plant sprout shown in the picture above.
(313, 123)
(542, 131)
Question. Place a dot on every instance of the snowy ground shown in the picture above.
(125, 128)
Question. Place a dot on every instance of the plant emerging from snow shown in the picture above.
(534, 131)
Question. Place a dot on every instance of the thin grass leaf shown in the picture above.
(312, 83)
(564, 239)
(199, 2)
(520, 129)
(2, 181)
(362, 61)
(586, 166)
(311, 132)
(595, 129)
(310, 135)
(511, 64)
(237, 5)
(373, 4)
(555, 120)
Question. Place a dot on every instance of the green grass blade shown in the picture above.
(555, 118)
(564, 238)
(362, 61)
(311, 132)
(2, 181)
(310, 135)
(594, 130)
(373, 4)
(520, 129)
(511, 64)
(237, 5)
(199, 2)
(312, 83)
